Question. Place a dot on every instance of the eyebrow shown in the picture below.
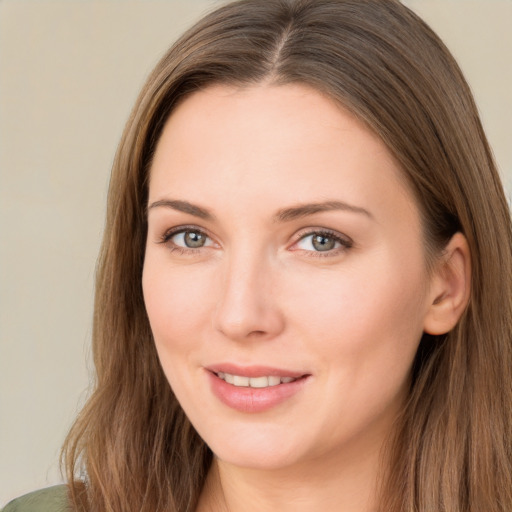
(183, 206)
(283, 215)
(304, 210)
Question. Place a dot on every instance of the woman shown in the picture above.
(304, 292)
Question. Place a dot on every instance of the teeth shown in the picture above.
(240, 381)
(274, 381)
(254, 382)
(258, 382)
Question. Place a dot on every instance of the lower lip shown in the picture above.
(252, 400)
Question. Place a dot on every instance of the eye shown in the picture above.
(321, 241)
(187, 239)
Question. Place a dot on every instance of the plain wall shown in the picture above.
(69, 74)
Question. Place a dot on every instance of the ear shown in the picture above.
(450, 287)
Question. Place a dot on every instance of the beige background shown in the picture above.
(69, 73)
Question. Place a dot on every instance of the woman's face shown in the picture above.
(284, 275)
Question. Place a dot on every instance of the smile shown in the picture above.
(254, 389)
(254, 382)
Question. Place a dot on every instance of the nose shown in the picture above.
(248, 306)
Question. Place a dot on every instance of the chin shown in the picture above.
(262, 447)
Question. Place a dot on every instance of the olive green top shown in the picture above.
(53, 499)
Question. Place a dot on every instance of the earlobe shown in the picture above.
(450, 287)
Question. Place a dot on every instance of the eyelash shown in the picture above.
(166, 239)
(345, 242)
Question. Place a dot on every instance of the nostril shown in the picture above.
(257, 334)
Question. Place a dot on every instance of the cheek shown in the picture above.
(367, 316)
(176, 303)
(363, 330)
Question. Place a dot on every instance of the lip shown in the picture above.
(253, 371)
(253, 400)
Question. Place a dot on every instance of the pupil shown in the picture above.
(323, 243)
(194, 239)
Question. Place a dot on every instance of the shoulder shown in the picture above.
(52, 499)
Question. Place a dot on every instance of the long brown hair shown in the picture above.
(452, 450)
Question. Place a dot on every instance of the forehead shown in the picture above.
(285, 143)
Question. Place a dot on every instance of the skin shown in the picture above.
(258, 292)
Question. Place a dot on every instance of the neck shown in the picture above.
(344, 481)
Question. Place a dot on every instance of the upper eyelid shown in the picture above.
(181, 228)
(322, 231)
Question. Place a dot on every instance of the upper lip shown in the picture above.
(253, 371)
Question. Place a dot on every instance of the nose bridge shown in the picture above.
(246, 306)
